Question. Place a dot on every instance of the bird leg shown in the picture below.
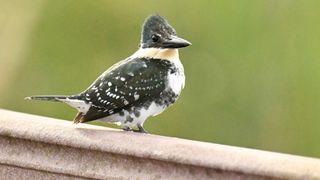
(126, 128)
(140, 129)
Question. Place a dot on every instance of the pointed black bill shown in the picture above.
(175, 42)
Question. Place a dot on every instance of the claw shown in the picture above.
(140, 129)
(126, 128)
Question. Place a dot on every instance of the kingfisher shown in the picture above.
(140, 86)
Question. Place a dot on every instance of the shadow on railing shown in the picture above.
(40, 147)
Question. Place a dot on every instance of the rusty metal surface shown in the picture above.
(41, 145)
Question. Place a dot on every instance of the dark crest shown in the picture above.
(154, 30)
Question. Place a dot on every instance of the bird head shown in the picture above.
(158, 33)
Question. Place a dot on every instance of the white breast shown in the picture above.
(176, 81)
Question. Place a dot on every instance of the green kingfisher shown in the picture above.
(140, 86)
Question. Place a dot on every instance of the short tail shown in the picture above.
(57, 98)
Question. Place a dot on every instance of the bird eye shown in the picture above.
(155, 38)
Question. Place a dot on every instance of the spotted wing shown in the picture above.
(129, 84)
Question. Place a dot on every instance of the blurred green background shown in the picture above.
(252, 71)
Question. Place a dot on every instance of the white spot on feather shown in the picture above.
(136, 96)
(130, 74)
(125, 102)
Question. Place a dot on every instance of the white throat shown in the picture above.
(157, 53)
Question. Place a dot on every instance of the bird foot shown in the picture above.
(140, 129)
(126, 128)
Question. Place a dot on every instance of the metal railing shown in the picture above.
(40, 147)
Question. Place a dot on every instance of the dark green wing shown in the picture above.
(128, 84)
